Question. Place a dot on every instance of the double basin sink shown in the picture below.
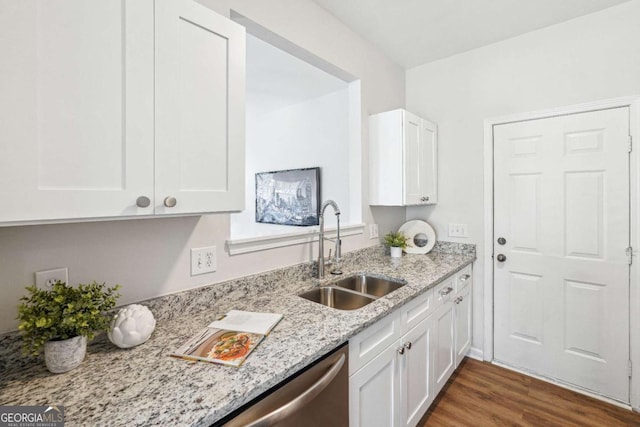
(352, 292)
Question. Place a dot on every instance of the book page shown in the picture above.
(247, 321)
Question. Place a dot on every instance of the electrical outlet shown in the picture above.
(45, 279)
(373, 231)
(458, 230)
(203, 260)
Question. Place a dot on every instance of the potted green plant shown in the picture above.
(61, 319)
(396, 241)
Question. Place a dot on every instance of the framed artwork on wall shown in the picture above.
(288, 197)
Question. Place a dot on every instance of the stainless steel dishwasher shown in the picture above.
(316, 396)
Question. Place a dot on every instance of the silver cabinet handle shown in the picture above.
(408, 345)
(447, 291)
(400, 350)
(143, 202)
(465, 278)
(170, 201)
(309, 394)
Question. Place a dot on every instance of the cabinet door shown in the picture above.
(369, 343)
(374, 392)
(413, 159)
(200, 85)
(444, 358)
(463, 323)
(76, 111)
(417, 377)
(428, 162)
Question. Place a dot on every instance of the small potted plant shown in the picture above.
(61, 319)
(396, 242)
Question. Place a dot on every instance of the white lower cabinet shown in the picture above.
(444, 359)
(399, 364)
(415, 373)
(374, 392)
(463, 323)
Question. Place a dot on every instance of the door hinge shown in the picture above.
(630, 368)
(629, 252)
(630, 143)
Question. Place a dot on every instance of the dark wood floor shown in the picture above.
(481, 394)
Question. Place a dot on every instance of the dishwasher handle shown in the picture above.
(295, 404)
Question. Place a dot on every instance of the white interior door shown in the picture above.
(561, 195)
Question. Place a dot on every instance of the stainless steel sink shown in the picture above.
(337, 298)
(352, 292)
(375, 286)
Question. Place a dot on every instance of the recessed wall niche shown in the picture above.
(298, 116)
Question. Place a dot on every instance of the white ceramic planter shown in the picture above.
(65, 355)
(396, 252)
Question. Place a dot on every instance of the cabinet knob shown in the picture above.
(458, 300)
(465, 278)
(143, 202)
(170, 201)
(400, 350)
(501, 258)
(408, 345)
(446, 291)
(424, 198)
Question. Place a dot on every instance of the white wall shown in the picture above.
(151, 257)
(589, 58)
(314, 133)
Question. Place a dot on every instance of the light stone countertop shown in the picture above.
(144, 386)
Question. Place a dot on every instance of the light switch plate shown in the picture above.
(458, 230)
(203, 260)
(373, 231)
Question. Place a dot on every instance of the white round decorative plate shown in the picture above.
(420, 236)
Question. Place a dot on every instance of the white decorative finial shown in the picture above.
(132, 326)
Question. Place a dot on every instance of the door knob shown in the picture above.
(501, 258)
(502, 240)
(170, 201)
(143, 202)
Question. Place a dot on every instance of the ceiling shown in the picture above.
(277, 79)
(414, 32)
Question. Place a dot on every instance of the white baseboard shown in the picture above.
(475, 353)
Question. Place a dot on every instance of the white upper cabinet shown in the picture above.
(403, 159)
(102, 116)
(76, 138)
(200, 96)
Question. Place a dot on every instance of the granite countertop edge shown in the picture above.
(143, 386)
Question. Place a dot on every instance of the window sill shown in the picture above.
(261, 243)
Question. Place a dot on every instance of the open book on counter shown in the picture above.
(229, 340)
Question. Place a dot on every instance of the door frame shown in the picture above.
(633, 102)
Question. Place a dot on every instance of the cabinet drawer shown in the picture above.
(444, 292)
(372, 341)
(417, 310)
(463, 278)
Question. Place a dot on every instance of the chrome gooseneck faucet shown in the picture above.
(336, 257)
